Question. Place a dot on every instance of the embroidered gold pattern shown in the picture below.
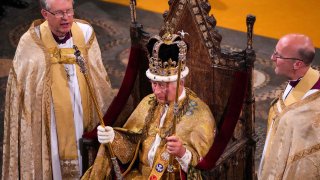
(304, 153)
(316, 122)
(121, 149)
(70, 169)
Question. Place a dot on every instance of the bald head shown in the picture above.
(300, 46)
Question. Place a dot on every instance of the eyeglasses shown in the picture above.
(276, 55)
(60, 14)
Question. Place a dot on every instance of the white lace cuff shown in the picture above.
(185, 160)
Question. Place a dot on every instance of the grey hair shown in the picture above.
(307, 55)
(45, 5)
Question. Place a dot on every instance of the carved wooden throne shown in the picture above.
(220, 77)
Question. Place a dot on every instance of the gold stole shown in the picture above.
(305, 84)
(160, 165)
(161, 159)
(61, 97)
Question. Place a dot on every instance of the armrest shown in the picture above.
(88, 149)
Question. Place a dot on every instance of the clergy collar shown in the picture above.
(293, 83)
(316, 85)
(62, 40)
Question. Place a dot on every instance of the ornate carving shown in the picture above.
(206, 7)
(211, 20)
(165, 14)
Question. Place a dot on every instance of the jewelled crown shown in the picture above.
(164, 54)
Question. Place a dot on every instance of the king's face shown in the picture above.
(165, 92)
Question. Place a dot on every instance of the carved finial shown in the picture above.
(133, 4)
(206, 6)
(250, 22)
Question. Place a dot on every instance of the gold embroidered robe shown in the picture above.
(293, 145)
(195, 128)
(26, 145)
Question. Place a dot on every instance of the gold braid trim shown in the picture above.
(93, 35)
(47, 82)
(122, 148)
(304, 153)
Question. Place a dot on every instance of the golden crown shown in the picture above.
(164, 54)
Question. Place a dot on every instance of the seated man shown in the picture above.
(147, 137)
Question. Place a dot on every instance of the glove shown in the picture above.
(105, 134)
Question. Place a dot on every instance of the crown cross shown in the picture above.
(182, 33)
(168, 32)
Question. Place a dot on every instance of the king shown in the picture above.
(170, 130)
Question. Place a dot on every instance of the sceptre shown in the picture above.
(83, 68)
(171, 169)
